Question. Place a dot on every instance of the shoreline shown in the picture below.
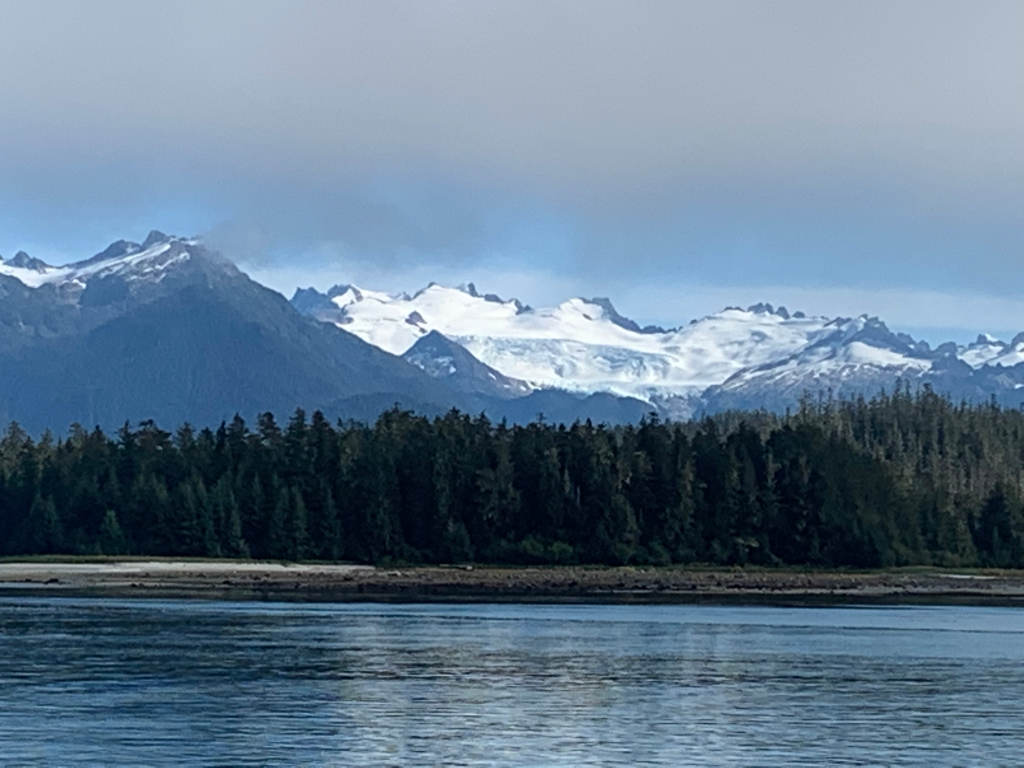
(247, 580)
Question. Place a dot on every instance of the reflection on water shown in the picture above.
(171, 682)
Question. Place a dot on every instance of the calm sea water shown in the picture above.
(191, 682)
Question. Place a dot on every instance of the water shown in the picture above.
(190, 682)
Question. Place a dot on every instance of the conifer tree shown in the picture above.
(45, 532)
(112, 540)
(297, 532)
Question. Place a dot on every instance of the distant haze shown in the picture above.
(835, 157)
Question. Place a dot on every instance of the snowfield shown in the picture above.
(136, 263)
(585, 346)
(579, 345)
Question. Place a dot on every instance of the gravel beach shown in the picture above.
(275, 581)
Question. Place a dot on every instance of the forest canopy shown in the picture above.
(900, 479)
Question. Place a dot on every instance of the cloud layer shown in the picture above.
(872, 144)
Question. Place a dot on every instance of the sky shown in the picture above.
(678, 157)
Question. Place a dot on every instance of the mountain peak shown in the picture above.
(125, 261)
(115, 250)
(155, 237)
(120, 249)
(620, 320)
(23, 261)
(441, 358)
(310, 300)
(985, 340)
(764, 308)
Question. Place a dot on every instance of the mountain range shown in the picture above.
(169, 330)
(750, 358)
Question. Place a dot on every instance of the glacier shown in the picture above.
(585, 346)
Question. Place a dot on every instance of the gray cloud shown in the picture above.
(767, 136)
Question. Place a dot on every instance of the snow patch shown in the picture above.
(147, 264)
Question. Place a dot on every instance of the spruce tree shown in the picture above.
(112, 540)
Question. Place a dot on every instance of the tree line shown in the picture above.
(898, 479)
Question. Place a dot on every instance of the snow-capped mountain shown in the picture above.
(169, 329)
(737, 357)
(148, 261)
(580, 345)
(859, 355)
(988, 350)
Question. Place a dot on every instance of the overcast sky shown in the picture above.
(836, 157)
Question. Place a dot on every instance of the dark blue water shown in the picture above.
(177, 682)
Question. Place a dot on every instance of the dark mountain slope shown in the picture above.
(443, 359)
(198, 345)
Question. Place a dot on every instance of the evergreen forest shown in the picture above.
(899, 479)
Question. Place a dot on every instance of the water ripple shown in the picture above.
(85, 682)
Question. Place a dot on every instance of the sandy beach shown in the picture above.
(276, 581)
